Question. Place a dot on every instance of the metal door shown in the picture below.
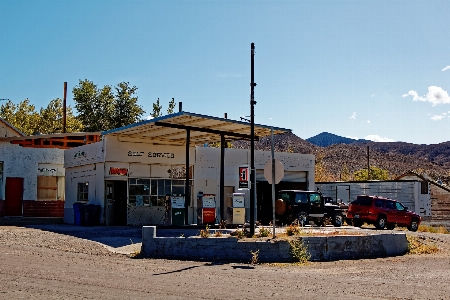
(13, 196)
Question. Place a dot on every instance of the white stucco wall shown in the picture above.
(24, 162)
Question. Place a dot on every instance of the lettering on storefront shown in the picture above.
(79, 154)
(152, 154)
(118, 171)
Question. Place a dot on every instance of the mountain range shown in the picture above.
(338, 154)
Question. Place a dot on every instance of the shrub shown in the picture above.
(429, 228)
(299, 251)
(205, 233)
(238, 233)
(293, 230)
(264, 232)
(255, 257)
(417, 245)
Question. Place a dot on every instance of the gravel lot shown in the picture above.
(65, 262)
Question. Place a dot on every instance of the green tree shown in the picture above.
(100, 109)
(375, 174)
(156, 110)
(126, 109)
(22, 116)
(171, 106)
(51, 118)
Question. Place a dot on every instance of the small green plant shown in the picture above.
(205, 233)
(416, 245)
(238, 233)
(255, 257)
(264, 232)
(293, 230)
(299, 251)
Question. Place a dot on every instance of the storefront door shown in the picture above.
(13, 196)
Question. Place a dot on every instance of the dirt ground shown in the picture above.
(47, 263)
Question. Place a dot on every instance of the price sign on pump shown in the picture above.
(243, 177)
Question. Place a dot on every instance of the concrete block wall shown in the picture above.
(321, 248)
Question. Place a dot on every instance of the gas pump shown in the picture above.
(236, 213)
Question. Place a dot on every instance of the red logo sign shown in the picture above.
(118, 171)
(243, 177)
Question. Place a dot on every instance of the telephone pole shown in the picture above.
(252, 143)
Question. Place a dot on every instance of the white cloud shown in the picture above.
(373, 95)
(353, 116)
(436, 95)
(446, 68)
(377, 138)
(437, 117)
(368, 121)
(352, 137)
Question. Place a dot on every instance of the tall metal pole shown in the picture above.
(64, 108)
(368, 164)
(273, 181)
(252, 142)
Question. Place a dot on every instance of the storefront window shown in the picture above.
(153, 192)
(83, 191)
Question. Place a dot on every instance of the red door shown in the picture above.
(13, 196)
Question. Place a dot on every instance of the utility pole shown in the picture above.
(64, 108)
(368, 164)
(252, 142)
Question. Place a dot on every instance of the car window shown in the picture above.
(285, 197)
(363, 200)
(378, 203)
(390, 205)
(399, 206)
(301, 198)
(314, 198)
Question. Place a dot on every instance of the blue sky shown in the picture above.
(363, 69)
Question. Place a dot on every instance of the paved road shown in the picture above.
(69, 263)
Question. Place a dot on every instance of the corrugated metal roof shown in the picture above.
(171, 129)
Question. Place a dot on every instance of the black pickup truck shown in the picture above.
(305, 206)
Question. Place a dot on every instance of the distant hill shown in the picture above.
(396, 157)
(326, 139)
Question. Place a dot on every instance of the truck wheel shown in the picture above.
(338, 219)
(381, 222)
(414, 225)
(302, 218)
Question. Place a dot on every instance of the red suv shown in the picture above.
(381, 212)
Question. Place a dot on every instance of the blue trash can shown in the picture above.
(77, 207)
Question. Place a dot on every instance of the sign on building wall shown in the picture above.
(50, 170)
(243, 177)
(118, 171)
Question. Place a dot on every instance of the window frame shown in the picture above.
(83, 191)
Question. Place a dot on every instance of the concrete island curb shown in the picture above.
(321, 248)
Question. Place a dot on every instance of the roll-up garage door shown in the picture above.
(289, 176)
